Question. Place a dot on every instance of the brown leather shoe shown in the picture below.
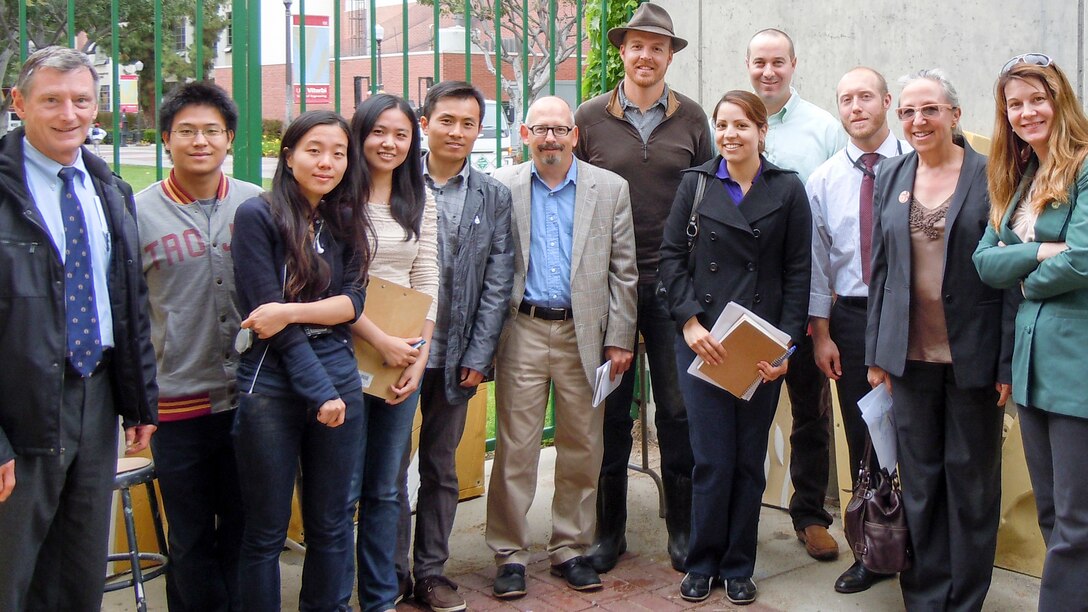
(439, 594)
(818, 543)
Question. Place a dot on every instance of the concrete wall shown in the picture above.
(971, 39)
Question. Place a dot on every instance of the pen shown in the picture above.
(785, 356)
(419, 344)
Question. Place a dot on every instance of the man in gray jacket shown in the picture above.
(186, 222)
(476, 264)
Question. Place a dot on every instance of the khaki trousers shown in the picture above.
(534, 354)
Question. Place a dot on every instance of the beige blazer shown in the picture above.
(603, 281)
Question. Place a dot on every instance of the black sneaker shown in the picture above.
(510, 581)
(696, 587)
(578, 573)
(405, 586)
(741, 591)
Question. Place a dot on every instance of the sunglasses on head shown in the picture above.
(1035, 59)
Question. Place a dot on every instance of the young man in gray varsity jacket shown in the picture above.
(476, 266)
(185, 224)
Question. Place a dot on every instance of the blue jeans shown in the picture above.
(386, 434)
(198, 475)
(273, 436)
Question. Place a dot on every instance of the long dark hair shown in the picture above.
(308, 274)
(409, 194)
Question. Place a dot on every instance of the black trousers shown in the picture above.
(950, 463)
(1057, 459)
(730, 446)
(847, 324)
(671, 418)
(436, 505)
(810, 440)
(54, 529)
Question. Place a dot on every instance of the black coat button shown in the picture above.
(755, 232)
(751, 266)
(713, 266)
(708, 298)
(757, 299)
(713, 235)
(948, 299)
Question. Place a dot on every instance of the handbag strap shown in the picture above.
(283, 296)
(693, 219)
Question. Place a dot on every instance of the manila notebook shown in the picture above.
(398, 311)
(747, 344)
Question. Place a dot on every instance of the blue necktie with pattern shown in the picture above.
(84, 341)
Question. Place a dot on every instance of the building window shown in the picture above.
(357, 28)
(179, 38)
(104, 97)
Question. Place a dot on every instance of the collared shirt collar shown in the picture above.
(663, 101)
(723, 172)
(48, 166)
(572, 176)
(177, 194)
(463, 173)
(889, 148)
(789, 106)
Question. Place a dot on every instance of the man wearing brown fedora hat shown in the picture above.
(647, 133)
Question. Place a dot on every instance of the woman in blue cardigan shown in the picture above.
(299, 271)
(1037, 242)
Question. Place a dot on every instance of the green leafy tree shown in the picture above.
(619, 12)
(47, 24)
(514, 29)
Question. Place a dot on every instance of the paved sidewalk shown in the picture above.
(788, 579)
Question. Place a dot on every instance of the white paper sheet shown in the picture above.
(876, 409)
(602, 387)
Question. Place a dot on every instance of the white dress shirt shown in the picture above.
(834, 192)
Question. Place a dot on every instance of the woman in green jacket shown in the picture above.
(1038, 240)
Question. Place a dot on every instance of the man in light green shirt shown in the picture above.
(800, 137)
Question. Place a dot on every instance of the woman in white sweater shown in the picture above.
(402, 222)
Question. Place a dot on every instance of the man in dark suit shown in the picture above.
(75, 337)
(476, 263)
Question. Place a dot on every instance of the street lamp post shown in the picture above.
(379, 34)
(287, 63)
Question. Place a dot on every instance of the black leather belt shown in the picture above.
(548, 314)
(853, 302)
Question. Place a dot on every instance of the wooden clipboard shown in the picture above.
(398, 311)
(747, 345)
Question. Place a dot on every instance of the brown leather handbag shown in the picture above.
(875, 522)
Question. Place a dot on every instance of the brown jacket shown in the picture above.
(681, 141)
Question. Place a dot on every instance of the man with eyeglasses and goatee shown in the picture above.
(572, 308)
(186, 221)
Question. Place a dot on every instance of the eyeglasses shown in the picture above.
(209, 133)
(1035, 59)
(929, 111)
(559, 130)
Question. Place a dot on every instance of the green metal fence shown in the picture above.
(528, 43)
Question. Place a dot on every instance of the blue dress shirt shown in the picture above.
(551, 238)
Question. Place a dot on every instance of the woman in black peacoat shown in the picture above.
(752, 247)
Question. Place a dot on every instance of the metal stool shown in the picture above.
(134, 471)
(642, 401)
